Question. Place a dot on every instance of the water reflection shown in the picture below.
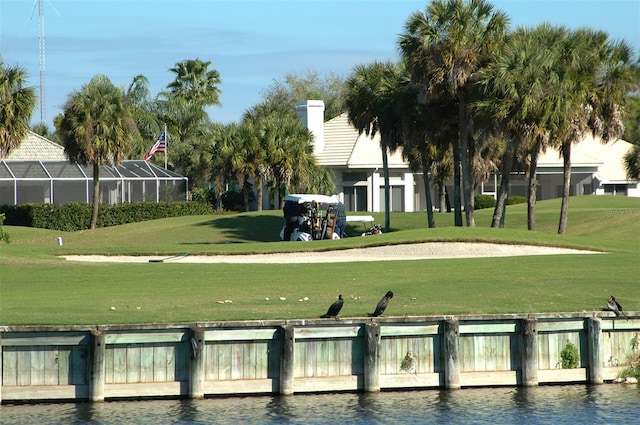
(573, 404)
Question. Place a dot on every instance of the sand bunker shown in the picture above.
(419, 251)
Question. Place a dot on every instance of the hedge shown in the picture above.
(74, 216)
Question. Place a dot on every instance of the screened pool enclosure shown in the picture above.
(59, 182)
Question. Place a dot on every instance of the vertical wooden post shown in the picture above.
(594, 337)
(529, 365)
(98, 370)
(286, 361)
(371, 357)
(451, 330)
(196, 368)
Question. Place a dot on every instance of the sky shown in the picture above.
(251, 43)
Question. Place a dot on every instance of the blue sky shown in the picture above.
(250, 43)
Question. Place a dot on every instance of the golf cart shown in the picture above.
(315, 218)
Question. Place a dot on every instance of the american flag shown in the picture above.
(159, 146)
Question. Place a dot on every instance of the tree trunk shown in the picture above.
(259, 194)
(466, 161)
(444, 200)
(532, 188)
(564, 209)
(387, 204)
(503, 190)
(427, 188)
(96, 195)
(457, 207)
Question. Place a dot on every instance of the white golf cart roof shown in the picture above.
(302, 198)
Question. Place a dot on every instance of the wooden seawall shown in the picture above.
(296, 356)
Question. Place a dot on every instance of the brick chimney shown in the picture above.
(311, 113)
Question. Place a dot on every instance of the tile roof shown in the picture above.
(35, 147)
(343, 146)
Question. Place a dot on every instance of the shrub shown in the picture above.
(77, 215)
(4, 236)
(570, 356)
(513, 200)
(633, 370)
(483, 201)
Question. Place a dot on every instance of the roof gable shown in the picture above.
(35, 147)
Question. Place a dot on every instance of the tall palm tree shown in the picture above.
(97, 128)
(372, 94)
(195, 83)
(599, 74)
(515, 87)
(17, 102)
(443, 48)
(284, 158)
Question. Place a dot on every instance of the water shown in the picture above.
(559, 405)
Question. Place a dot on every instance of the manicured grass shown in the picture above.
(38, 288)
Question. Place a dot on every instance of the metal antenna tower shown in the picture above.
(43, 109)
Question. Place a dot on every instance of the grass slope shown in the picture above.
(38, 288)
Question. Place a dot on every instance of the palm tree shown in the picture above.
(16, 106)
(632, 135)
(599, 75)
(443, 48)
(515, 87)
(144, 114)
(372, 94)
(284, 152)
(195, 83)
(97, 128)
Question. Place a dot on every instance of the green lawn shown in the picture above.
(36, 287)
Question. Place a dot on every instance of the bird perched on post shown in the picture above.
(334, 308)
(615, 306)
(382, 305)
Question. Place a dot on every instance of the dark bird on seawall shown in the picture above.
(334, 308)
(614, 306)
(382, 305)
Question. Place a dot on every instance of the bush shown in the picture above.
(483, 201)
(570, 356)
(513, 200)
(77, 215)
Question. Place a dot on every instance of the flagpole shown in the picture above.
(166, 145)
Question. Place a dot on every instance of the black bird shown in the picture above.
(615, 306)
(334, 308)
(382, 305)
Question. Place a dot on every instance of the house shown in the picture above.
(356, 159)
(38, 171)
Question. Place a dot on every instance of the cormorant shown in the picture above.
(382, 305)
(615, 306)
(334, 308)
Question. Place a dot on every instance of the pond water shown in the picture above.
(568, 404)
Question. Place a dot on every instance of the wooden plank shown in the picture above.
(562, 375)
(328, 332)
(156, 389)
(45, 392)
(159, 364)
(9, 367)
(410, 380)
(37, 369)
(150, 337)
(11, 339)
(119, 364)
(466, 352)
(407, 330)
(487, 328)
(480, 379)
(78, 371)
(240, 334)
(133, 363)
(61, 364)
(24, 366)
(565, 325)
(327, 383)
(621, 324)
(146, 363)
(254, 386)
